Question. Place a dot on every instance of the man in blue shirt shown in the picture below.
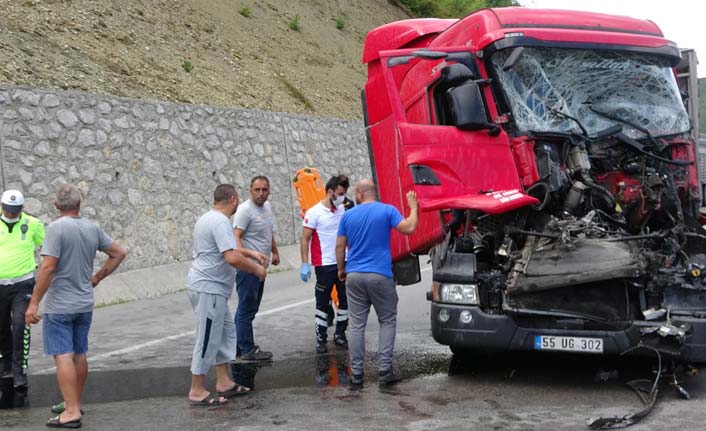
(365, 230)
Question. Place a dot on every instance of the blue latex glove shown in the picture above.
(305, 272)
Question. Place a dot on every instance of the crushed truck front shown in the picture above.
(551, 153)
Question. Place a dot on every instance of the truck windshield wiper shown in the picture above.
(563, 114)
(636, 145)
(608, 133)
(619, 119)
(658, 145)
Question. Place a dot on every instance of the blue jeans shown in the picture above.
(249, 289)
(66, 333)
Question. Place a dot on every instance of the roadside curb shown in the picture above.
(162, 280)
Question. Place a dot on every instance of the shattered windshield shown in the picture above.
(545, 85)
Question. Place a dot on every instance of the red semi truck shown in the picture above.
(551, 155)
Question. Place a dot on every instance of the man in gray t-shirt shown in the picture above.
(74, 241)
(209, 285)
(210, 273)
(66, 277)
(254, 226)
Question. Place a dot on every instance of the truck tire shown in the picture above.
(475, 355)
(463, 351)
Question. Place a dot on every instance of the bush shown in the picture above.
(424, 8)
(340, 22)
(296, 94)
(187, 66)
(451, 8)
(294, 23)
(244, 11)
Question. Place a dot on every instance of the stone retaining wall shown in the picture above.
(147, 169)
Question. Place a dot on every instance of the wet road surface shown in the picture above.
(140, 354)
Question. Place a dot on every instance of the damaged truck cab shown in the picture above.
(551, 155)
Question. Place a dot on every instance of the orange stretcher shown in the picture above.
(309, 191)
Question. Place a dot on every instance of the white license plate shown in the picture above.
(568, 344)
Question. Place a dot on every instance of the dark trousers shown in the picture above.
(14, 345)
(326, 278)
(250, 290)
(370, 289)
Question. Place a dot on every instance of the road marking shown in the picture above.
(286, 307)
(172, 337)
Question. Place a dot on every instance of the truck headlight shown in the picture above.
(459, 293)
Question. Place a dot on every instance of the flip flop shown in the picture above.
(235, 391)
(209, 400)
(56, 423)
(59, 408)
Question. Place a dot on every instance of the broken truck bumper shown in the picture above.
(500, 332)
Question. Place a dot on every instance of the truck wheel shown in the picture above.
(462, 351)
(474, 354)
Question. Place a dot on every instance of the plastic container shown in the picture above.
(308, 188)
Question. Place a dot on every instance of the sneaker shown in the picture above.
(340, 340)
(321, 347)
(389, 377)
(256, 355)
(355, 383)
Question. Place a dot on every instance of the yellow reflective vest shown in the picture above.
(17, 245)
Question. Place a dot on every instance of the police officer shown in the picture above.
(20, 235)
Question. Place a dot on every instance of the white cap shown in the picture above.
(12, 201)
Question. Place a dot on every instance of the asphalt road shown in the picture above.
(140, 354)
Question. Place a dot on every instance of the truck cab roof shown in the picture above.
(485, 26)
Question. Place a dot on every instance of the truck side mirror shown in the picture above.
(457, 73)
(467, 110)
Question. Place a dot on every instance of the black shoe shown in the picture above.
(388, 378)
(21, 399)
(321, 347)
(340, 340)
(355, 383)
(256, 355)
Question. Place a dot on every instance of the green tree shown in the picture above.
(451, 8)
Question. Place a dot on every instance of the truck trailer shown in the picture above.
(553, 160)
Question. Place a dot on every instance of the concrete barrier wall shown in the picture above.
(147, 169)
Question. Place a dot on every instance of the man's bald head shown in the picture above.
(365, 190)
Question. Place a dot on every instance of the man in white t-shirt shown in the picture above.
(320, 228)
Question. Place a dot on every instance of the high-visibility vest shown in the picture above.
(17, 245)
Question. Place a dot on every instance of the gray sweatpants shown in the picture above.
(215, 332)
(365, 289)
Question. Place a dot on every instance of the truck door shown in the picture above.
(467, 165)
